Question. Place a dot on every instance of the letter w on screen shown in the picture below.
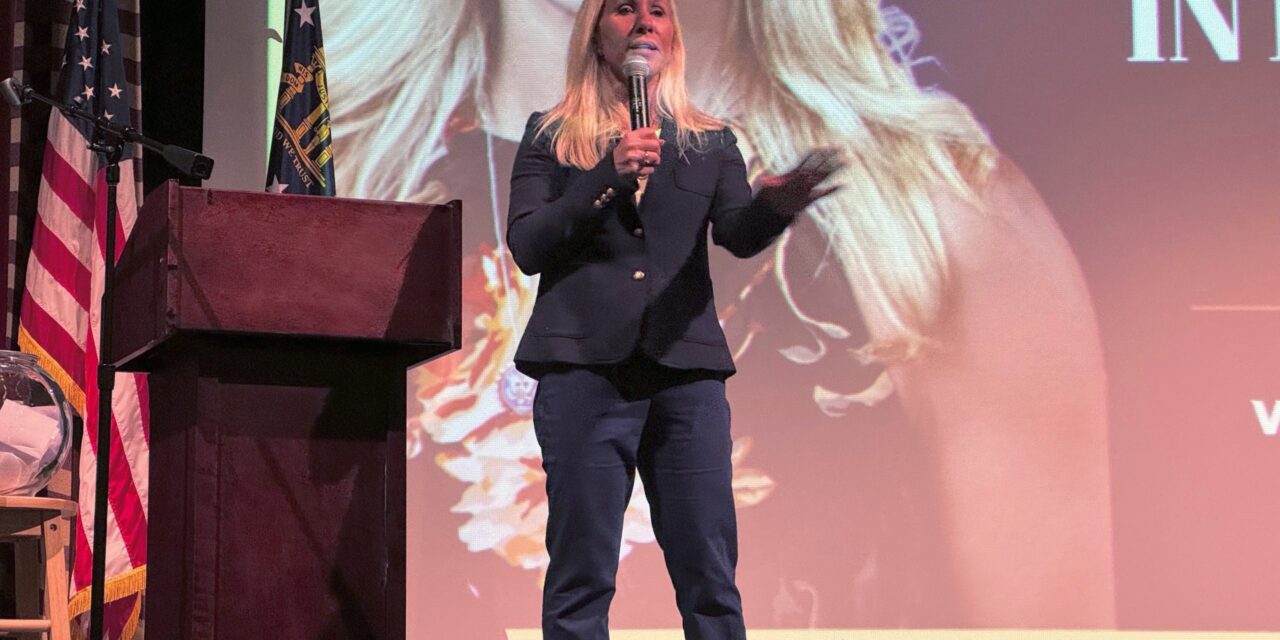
(1269, 421)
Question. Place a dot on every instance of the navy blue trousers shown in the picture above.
(597, 427)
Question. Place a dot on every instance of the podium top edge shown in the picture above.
(172, 186)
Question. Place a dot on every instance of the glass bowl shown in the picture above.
(35, 425)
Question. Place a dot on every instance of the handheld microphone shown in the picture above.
(636, 69)
(14, 93)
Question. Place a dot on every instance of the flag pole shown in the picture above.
(113, 147)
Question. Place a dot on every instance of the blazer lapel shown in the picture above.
(660, 180)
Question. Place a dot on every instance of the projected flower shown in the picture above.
(475, 409)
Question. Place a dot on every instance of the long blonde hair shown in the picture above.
(815, 73)
(590, 115)
(393, 97)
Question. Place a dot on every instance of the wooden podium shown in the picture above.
(276, 330)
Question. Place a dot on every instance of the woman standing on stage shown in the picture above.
(624, 337)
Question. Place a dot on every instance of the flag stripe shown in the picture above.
(130, 23)
(72, 146)
(62, 265)
(59, 306)
(125, 505)
(65, 182)
(70, 387)
(64, 225)
(144, 413)
(126, 217)
(126, 403)
(81, 572)
(54, 340)
(118, 560)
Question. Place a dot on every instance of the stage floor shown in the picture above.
(930, 634)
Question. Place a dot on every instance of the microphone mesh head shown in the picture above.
(635, 65)
(10, 92)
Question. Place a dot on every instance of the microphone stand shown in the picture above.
(110, 138)
(188, 162)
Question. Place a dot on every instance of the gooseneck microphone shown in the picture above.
(14, 93)
(186, 161)
(636, 69)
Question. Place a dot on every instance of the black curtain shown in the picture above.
(173, 82)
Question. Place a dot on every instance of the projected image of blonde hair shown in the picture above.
(974, 304)
(823, 78)
(396, 97)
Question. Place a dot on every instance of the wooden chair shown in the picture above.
(40, 530)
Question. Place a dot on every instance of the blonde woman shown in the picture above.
(624, 337)
(933, 304)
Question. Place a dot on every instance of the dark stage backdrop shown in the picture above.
(33, 30)
(12, 38)
(1087, 438)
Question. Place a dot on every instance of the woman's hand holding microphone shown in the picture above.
(637, 153)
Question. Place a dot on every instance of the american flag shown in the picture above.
(60, 308)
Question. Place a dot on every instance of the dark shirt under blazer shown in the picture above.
(619, 280)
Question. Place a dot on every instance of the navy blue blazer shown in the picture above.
(619, 280)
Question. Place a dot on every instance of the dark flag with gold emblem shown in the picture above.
(301, 158)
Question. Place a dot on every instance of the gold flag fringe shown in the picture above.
(126, 584)
(121, 586)
(75, 395)
(131, 627)
(127, 633)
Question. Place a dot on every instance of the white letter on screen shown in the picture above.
(1146, 31)
(1224, 37)
(1270, 422)
(1277, 58)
